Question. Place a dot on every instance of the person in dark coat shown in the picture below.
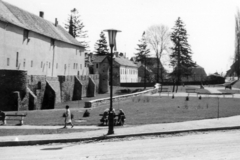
(121, 117)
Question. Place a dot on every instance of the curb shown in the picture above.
(42, 142)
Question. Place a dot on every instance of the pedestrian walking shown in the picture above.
(68, 117)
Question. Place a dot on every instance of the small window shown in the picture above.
(65, 66)
(8, 61)
(80, 53)
(52, 42)
(31, 63)
(24, 62)
(80, 66)
(17, 55)
(25, 34)
(76, 66)
(49, 65)
(97, 65)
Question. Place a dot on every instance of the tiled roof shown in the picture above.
(14, 15)
(98, 59)
(199, 71)
(124, 62)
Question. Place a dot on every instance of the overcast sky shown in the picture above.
(209, 23)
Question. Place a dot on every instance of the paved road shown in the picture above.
(221, 145)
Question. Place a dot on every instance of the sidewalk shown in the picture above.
(152, 129)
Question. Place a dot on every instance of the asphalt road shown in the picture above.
(220, 145)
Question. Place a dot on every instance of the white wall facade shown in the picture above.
(37, 54)
(128, 74)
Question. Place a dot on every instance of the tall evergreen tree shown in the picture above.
(101, 45)
(141, 56)
(75, 27)
(236, 62)
(181, 56)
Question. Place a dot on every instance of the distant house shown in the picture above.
(215, 79)
(198, 75)
(124, 71)
(100, 65)
(151, 69)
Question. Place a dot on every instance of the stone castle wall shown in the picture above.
(20, 91)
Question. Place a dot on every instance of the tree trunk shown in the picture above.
(145, 68)
(157, 68)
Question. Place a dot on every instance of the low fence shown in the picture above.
(139, 84)
(98, 102)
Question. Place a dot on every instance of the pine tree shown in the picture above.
(181, 57)
(236, 63)
(141, 56)
(101, 45)
(75, 27)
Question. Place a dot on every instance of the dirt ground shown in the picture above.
(208, 146)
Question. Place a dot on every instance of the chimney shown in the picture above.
(41, 14)
(56, 22)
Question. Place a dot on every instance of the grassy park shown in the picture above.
(139, 111)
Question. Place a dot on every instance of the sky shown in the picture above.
(210, 24)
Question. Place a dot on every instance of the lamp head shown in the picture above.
(112, 36)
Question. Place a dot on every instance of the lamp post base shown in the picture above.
(110, 123)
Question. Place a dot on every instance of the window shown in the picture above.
(49, 65)
(73, 65)
(24, 62)
(80, 66)
(17, 59)
(76, 66)
(8, 61)
(97, 65)
(41, 64)
(52, 42)
(31, 63)
(25, 34)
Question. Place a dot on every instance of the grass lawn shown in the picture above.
(139, 110)
(145, 110)
(151, 110)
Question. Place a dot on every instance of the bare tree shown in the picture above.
(158, 39)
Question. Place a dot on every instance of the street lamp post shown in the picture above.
(112, 42)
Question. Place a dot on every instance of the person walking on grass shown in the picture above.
(68, 117)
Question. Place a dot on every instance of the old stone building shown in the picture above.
(101, 66)
(40, 63)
